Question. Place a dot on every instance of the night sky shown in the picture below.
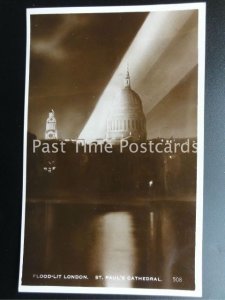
(73, 56)
(80, 60)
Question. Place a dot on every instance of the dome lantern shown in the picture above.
(127, 78)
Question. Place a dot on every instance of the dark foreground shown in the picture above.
(150, 245)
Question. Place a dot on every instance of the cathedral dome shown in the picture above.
(128, 100)
(126, 119)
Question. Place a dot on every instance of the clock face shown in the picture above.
(50, 135)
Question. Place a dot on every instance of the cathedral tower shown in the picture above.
(51, 131)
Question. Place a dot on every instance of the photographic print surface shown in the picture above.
(113, 150)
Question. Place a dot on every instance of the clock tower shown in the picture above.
(51, 131)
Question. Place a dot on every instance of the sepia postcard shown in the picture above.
(113, 150)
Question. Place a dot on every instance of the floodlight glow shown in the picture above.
(149, 46)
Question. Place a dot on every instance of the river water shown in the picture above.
(110, 245)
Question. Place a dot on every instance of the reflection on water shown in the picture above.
(112, 245)
(117, 247)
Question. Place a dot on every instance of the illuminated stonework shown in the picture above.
(126, 119)
(51, 131)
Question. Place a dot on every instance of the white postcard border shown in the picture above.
(201, 7)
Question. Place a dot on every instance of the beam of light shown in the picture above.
(157, 34)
